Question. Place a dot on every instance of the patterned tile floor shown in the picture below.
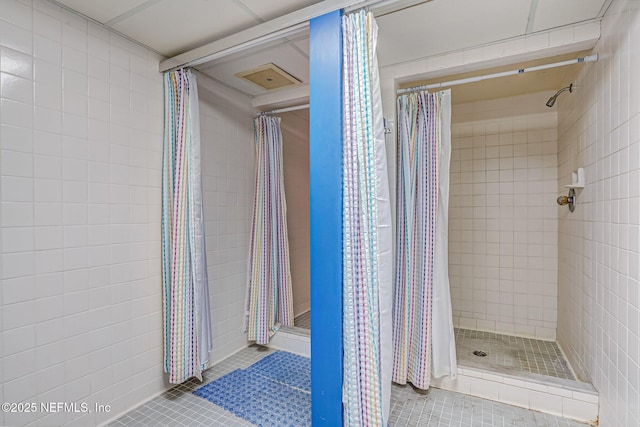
(303, 320)
(438, 408)
(510, 354)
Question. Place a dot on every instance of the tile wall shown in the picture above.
(81, 112)
(599, 289)
(503, 216)
(81, 147)
(228, 182)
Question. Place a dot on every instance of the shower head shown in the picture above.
(552, 100)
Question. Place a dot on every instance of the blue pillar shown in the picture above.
(325, 157)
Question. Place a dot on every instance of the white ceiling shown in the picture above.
(171, 27)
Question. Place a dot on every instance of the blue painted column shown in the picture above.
(325, 157)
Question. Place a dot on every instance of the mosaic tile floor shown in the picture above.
(303, 320)
(438, 408)
(179, 407)
(510, 354)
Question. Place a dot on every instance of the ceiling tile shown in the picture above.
(173, 27)
(441, 26)
(303, 45)
(267, 10)
(554, 13)
(101, 10)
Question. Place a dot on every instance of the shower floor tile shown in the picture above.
(438, 408)
(303, 320)
(509, 354)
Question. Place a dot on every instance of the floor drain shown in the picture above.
(479, 353)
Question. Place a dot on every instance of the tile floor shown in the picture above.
(504, 352)
(180, 407)
(303, 320)
(438, 408)
(511, 354)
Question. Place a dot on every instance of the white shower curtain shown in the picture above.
(186, 313)
(269, 296)
(423, 337)
(367, 233)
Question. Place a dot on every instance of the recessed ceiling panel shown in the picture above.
(441, 26)
(105, 10)
(282, 55)
(172, 27)
(269, 76)
(267, 10)
(554, 13)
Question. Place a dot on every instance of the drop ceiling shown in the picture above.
(429, 28)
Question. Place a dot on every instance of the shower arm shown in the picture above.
(553, 99)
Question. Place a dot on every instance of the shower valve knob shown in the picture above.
(568, 200)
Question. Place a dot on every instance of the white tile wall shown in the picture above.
(81, 113)
(599, 129)
(503, 217)
(228, 173)
(80, 196)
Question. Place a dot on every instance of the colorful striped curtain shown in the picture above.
(186, 313)
(367, 240)
(270, 298)
(422, 319)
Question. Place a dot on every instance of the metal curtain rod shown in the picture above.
(281, 27)
(257, 35)
(590, 58)
(286, 109)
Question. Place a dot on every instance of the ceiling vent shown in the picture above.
(269, 77)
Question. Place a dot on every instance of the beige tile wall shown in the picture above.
(503, 216)
(599, 288)
(295, 141)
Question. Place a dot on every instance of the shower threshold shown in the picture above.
(529, 373)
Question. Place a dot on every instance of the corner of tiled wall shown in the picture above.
(503, 218)
(599, 243)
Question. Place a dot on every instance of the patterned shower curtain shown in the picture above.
(423, 340)
(367, 259)
(269, 298)
(186, 313)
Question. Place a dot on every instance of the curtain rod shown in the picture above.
(285, 110)
(276, 28)
(255, 36)
(590, 58)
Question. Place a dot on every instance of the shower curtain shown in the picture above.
(423, 338)
(186, 313)
(367, 233)
(269, 295)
